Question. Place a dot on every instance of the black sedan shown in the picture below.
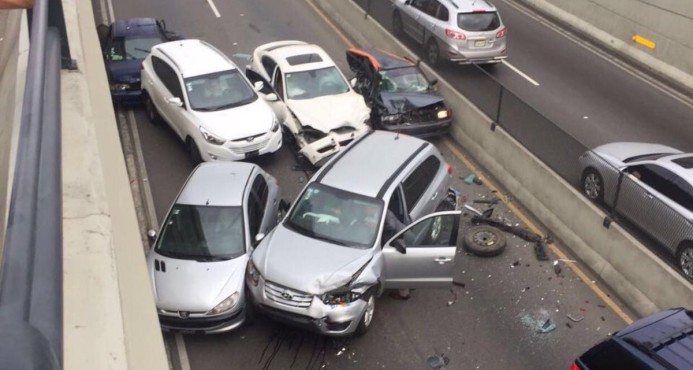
(400, 96)
(125, 44)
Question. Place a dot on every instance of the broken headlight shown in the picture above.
(442, 114)
(252, 275)
(341, 298)
(311, 135)
(210, 137)
(390, 117)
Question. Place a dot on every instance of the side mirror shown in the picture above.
(259, 237)
(175, 101)
(258, 85)
(151, 235)
(399, 245)
(271, 97)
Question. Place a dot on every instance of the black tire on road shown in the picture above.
(484, 241)
(367, 319)
(432, 53)
(150, 108)
(684, 259)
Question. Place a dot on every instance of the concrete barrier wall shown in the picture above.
(14, 52)
(612, 24)
(640, 278)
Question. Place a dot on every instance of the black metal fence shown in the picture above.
(31, 284)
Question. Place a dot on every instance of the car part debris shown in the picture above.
(547, 327)
(484, 241)
(437, 361)
(540, 250)
(473, 210)
(574, 319)
(492, 202)
(556, 267)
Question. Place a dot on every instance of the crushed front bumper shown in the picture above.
(319, 151)
(422, 130)
(202, 324)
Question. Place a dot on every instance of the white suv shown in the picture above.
(208, 102)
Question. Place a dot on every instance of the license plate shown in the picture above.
(253, 153)
(480, 43)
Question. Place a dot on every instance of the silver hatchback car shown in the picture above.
(461, 31)
(652, 186)
(359, 226)
(197, 264)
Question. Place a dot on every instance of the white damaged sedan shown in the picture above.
(317, 106)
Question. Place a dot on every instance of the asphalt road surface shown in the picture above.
(490, 321)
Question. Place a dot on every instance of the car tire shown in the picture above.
(194, 152)
(150, 108)
(432, 53)
(397, 28)
(367, 318)
(484, 241)
(250, 314)
(684, 259)
(592, 185)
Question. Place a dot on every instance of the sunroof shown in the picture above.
(685, 162)
(303, 59)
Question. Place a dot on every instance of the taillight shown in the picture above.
(141, 66)
(449, 169)
(575, 366)
(502, 32)
(454, 34)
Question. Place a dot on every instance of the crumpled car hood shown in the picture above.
(327, 113)
(409, 101)
(306, 264)
(618, 152)
(127, 71)
(188, 285)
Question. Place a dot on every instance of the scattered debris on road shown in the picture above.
(574, 319)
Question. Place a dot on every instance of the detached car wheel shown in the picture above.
(367, 318)
(484, 241)
(685, 260)
(593, 185)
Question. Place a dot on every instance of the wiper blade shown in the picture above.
(211, 259)
(143, 50)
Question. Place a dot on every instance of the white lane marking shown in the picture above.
(182, 352)
(535, 83)
(214, 8)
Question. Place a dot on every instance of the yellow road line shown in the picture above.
(553, 246)
(334, 28)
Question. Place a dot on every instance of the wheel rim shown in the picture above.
(686, 262)
(433, 53)
(485, 238)
(592, 186)
(368, 315)
(437, 226)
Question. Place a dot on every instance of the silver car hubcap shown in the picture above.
(432, 53)
(485, 238)
(686, 262)
(368, 315)
(592, 186)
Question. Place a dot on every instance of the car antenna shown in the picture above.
(207, 203)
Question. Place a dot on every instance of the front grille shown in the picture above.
(425, 114)
(195, 322)
(252, 145)
(286, 296)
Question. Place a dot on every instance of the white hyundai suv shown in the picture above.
(208, 102)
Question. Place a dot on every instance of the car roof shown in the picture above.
(216, 184)
(188, 54)
(680, 164)
(359, 170)
(135, 27)
(281, 53)
(469, 6)
(668, 333)
(383, 60)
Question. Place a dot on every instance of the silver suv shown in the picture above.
(359, 226)
(461, 31)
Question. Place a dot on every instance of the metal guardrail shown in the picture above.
(31, 281)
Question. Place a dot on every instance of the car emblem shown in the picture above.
(184, 314)
(251, 138)
(287, 296)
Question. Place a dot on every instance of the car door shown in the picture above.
(365, 74)
(162, 88)
(422, 255)
(422, 188)
(278, 106)
(411, 18)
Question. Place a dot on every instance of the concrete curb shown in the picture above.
(628, 267)
(679, 80)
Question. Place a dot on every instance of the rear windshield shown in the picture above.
(478, 22)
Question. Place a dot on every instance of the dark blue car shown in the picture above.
(125, 44)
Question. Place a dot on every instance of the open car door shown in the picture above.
(423, 254)
(364, 67)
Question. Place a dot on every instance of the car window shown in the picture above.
(432, 232)
(419, 180)
(315, 83)
(443, 13)
(268, 64)
(409, 79)
(279, 83)
(220, 90)
(420, 4)
(477, 22)
(665, 182)
(168, 76)
(202, 233)
(256, 204)
(131, 48)
(336, 216)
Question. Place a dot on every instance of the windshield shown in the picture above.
(202, 233)
(315, 83)
(336, 216)
(408, 79)
(220, 90)
(477, 22)
(132, 48)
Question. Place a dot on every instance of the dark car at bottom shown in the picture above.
(399, 94)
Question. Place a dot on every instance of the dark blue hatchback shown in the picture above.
(124, 45)
(663, 341)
